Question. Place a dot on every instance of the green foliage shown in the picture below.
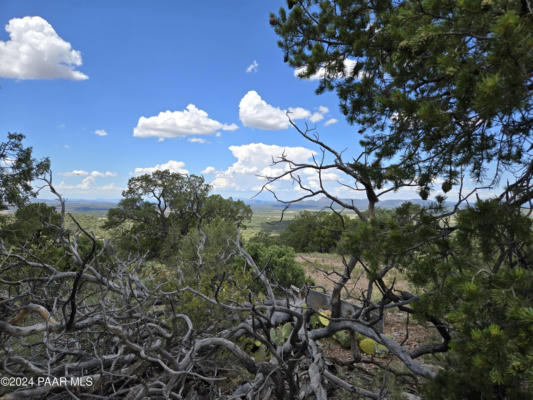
(381, 239)
(90, 222)
(489, 286)
(205, 261)
(280, 334)
(17, 170)
(278, 263)
(159, 209)
(343, 338)
(187, 233)
(438, 85)
(312, 231)
(265, 238)
(32, 223)
(474, 274)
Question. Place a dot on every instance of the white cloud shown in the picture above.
(76, 172)
(255, 112)
(252, 67)
(321, 73)
(316, 117)
(197, 140)
(100, 132)
(299, 113)
(254, 160)
(98, 174)
(319, 115)
(87, 182)
(35, 51)
(94, 174)
(169, 124)
(331, 122)
(173, 166)
(7, 162)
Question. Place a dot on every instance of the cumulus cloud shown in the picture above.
(98, 174)
(173, 166)
(319, 115)
(254, 160)
(209, 170)
(76, 172)
(197, 140)
(87, 181)
(169, 124)
(35, 51)
(316, 117)
(94, 174)
(321, 73)
(331, 122)
(100, 132)
(255, 112)
(299, 113)
(252, 67)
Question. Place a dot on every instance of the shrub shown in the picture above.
(312, 231)
(278, 263)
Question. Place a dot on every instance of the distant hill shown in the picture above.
(100, 207)
(324, 203)
(96, 207)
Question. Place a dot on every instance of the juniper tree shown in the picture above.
(17, 170)
(435, 90)
(437, 87)
(159, 208)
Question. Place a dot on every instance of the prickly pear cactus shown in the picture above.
(373, 348)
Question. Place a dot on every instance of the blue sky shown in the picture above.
(112, 89)
(132, 59)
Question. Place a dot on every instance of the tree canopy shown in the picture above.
(313, 231)
(158, 209)
(17, 170)
(439, 87)
(441, 92)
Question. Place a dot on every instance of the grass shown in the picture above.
(268, 220)
(92, 223)
(263, 220)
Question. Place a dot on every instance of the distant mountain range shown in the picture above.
(83, 206)
(101, 206)
(325, 203)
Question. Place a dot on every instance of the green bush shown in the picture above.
(278, 263)
(314, 232)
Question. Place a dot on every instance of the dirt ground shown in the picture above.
(324, 269)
